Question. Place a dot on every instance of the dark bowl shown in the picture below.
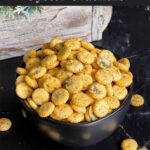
(79, 134)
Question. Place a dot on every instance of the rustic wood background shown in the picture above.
(19, 35)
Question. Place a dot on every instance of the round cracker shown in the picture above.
(120, 92)
(137, 100)
(129, 144)
(81, 99)
(31, 82)
(74, 66)
(97, 90)
(60, 96)
(37, 72)
(51, 84)
(86, 57)
(21, 71)
(5, 124)
(76, 117)
(23, 90)
(74, 84)
(103, 76)
(101, 108)
(63, 111)
(126, 79)
(40, 96)
(78, 109)
(46, 109)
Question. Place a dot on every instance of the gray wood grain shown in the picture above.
(19, 35)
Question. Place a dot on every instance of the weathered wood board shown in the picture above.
(19, 35)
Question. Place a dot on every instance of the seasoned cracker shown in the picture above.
(23, 90)
(5, 124)
(60, 96)
(129, 144)
(40, 96)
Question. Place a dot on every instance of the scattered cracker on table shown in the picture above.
(137, 100)
(73, 81)
(5, 124)
(129, 144)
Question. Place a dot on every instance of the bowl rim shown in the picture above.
(59, 122)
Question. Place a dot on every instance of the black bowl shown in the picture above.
(79, 134)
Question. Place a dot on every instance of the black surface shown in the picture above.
(128, 35)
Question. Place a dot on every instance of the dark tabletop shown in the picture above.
(128, 35)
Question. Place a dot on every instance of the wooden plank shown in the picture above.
(101, 16)
(62, 21)
(19, 35)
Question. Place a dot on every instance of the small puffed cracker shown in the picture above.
(55, 64)
(40, 54)
(64, 53)
(47, 52)
(48, 61)
(120, 92)
(81, 99)
(33, 62)
(87, 45)
(125, 61)
(63, 75)
(87, 117)
(21, 71)
(73, 84)
(87, 69)
(115, 72)
(60, 96)
(63, 111)
(76, 117)
(95, 65)
(51, 84)
(31, 82)
(113, 102)
(97, 90)
(74, 66)
(107, 55)
(104, 63)
(40, 96)
(20, 79)
(54, 71)
(46, 109)
(101, 108)
(5, 124)
(29, 54)
(109, 89)
(58, 46)
(53, 116)
(87, 80)
(37, 72)
(129, 144)
(32, 104)
(73, 43)
(78, 109)
(42, 79)
(86, 57)
(54, 42)
(103, 76)
(91, 114)
(23, 90)
(126, 79)
(73, 54)
(137, 100)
